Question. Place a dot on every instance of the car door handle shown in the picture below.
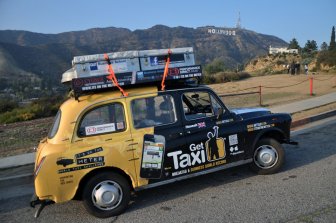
(175, 135)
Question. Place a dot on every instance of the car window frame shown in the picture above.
(104, 133)
(152, 126)
(57, 119)
(210, 94)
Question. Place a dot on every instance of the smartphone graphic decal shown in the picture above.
(152, 156)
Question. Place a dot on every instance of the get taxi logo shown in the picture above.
(215, 145)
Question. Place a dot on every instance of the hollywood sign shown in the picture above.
(226, 32)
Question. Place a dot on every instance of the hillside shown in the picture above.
(47, 56)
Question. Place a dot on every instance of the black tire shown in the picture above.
(268, 156)
(115, 188)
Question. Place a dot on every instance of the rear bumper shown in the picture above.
(35, 200)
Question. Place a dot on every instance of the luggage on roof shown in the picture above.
(91, 72)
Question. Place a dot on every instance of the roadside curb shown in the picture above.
(16, 161)
(314, 118)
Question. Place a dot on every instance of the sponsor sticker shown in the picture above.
(120, 125)
(67, 170)
(234, 150)
(233, 139)
(198, 125)
(88, 152)
(224, 121)
(154, 61)
(68, 179)
(93, 66)
(201, 125)
(258, 126)
(191, 126)
(98, 129)
(97, 159)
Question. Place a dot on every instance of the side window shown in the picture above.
(199, 105)
(153, 111)
(216, 106)
(54, 128)
(105, 119)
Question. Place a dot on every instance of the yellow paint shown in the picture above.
(122, 150)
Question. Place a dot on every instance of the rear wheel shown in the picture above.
(106, 195)
(268, 156)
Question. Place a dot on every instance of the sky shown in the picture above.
(286, 19)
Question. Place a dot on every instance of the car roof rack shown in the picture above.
(119, 70)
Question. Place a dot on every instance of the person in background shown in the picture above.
(292, 68)
(306, 69)
(297, 67)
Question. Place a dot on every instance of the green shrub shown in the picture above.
(7, 105)
(208, 79)
(223, 77)
(40, 108)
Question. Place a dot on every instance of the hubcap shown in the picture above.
(107, 195)
(265, 157)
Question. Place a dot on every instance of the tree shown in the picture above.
(293, 44)
(332, 45)
(310, 47)
(215, 66)
(324, 46)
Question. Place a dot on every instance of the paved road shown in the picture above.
(304, 191)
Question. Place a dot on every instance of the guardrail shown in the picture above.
(259, 91)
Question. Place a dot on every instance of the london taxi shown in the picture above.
(103, 146)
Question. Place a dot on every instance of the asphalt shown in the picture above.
(22, 165)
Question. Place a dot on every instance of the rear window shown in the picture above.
(104, 119)
(54, 128)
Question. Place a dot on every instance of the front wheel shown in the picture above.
(106, 195)
(268, 156)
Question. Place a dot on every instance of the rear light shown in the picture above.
(39, 165)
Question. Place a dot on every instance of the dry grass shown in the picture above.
(22, 137)
(322, 84)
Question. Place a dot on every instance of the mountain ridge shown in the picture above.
(47, 56)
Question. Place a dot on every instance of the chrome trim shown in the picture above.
(265, 157)
(239, 111)
(227, 166)
(107, 195)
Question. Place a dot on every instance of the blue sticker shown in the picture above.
(154, 61)
(140, 75)
(93, 66)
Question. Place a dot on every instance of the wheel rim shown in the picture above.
(107, 195)
(265, 156)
